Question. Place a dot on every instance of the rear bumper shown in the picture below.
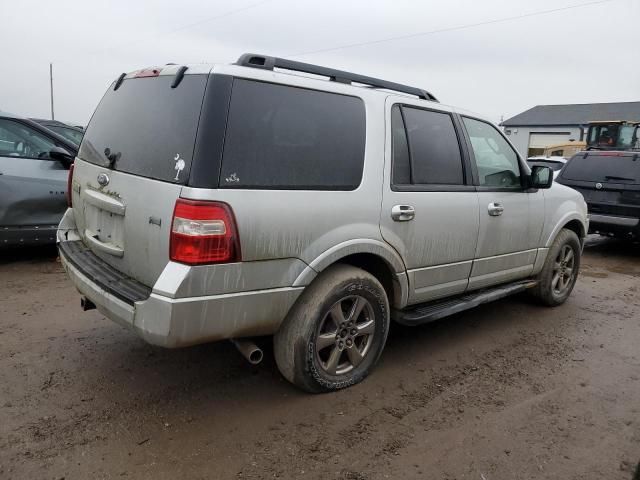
(614, 224)
(174, 322)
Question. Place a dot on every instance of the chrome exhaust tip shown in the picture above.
(248, 350)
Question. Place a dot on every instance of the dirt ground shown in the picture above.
(510, 390)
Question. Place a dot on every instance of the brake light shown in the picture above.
(69, 193)
(203, 232)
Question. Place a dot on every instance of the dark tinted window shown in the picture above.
(401, 162)
(603, 168)
(433, 143)
(151, 126)
(286, 137)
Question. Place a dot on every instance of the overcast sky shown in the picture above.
(578, 55)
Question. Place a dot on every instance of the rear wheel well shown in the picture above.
(380, 269)
(577, 227)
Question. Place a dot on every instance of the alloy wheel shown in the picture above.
(345, 335)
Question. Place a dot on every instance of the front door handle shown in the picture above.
(403, 213)
(495, 209)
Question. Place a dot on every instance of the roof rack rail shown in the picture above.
(269, 63)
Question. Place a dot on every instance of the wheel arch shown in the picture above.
(372, 256)
(572, 222)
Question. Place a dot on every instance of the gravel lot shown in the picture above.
(510, 390)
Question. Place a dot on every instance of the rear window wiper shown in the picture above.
(111, 157)
(613, 177)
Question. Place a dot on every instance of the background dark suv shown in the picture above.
(610, 184)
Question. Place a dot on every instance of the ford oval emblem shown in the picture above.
(598, 185)
(103, 179)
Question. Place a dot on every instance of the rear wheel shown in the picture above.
(335, 332)
(560, 270)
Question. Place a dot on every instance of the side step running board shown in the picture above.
(428, 312)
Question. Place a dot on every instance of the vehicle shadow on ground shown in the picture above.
(36, 254)
(203, 374)
(612, 247)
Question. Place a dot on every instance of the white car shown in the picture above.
(555, 163)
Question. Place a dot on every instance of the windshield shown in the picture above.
(628, 137)
(71, 134)
(146, 127)
(603, 168)
(623, 137)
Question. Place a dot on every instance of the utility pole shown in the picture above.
(51, 85)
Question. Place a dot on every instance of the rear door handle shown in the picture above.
(403, 213)
(495, 209)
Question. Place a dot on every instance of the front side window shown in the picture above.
(18, 140)
(282, 137)
(496, 160)
(425, 148)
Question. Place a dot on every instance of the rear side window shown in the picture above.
(603, 168)
(425, 148)
(147, 127)
(292, 138)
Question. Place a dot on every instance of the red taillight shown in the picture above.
(203, 232)
(69, 192)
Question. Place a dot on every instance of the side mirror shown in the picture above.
(541, 177)
(60, 154)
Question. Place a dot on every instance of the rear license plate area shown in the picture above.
(107, 226)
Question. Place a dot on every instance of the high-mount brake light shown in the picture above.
(148, 72)
(203, 232)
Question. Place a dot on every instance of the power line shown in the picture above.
(449, 29)
(216, 17)
(195, 24)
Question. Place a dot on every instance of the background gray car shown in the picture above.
(33, 183)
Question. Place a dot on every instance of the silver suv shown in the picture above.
(273, 197)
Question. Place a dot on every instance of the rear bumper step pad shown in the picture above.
(104, 275)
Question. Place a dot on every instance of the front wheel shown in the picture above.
(335, 332)
(560, 270)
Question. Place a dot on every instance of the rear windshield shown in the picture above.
(603, 168)
(292, 138)
(147, 127)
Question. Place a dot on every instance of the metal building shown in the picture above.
(542, 126)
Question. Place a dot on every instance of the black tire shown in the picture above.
(547, 291)
(306, 347)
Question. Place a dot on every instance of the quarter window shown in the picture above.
(292, 138)
(425, 148)
(497, 162)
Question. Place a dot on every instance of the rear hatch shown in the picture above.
(609, 181)
(135, 157)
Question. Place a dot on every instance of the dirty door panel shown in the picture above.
(424, 175)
